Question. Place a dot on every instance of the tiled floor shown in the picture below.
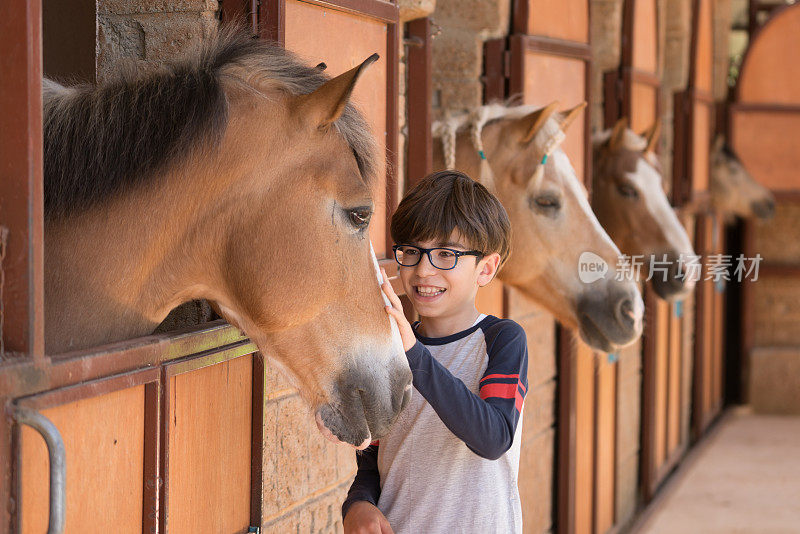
(745, 478)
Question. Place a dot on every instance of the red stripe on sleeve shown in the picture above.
(524, 389)
(503, 391)
(518, 401)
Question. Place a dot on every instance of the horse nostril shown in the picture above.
(625, 311)
(764, 209)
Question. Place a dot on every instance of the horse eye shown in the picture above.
(359, 217)
(547, 202)
(627, 191)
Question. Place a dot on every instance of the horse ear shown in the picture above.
(651, 135)
(618, 134)
(569, 115)
(326, 104)
(533, 122)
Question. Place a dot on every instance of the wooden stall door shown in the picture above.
(552, 37)
(109, 430)
(764, 121)
(207, 431)
(694, 114)
(634, 91)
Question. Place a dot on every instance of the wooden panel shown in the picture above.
(209, 432)
(490, 299)
(674, 381)
(584, 437)
(566, 82)
(644, 106)
(645, 32)
(702, 146)
(343, 41)
(771, 72)
(104, 443)
(562, 19)
(660, 370)
(768, 145)
(705, 47)
(605, 485)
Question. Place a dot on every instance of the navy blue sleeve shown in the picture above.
(485, 423)
(367, 484)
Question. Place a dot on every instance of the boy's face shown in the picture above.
(440, 293)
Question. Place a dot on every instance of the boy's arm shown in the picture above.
(367, 484)
(485, 423)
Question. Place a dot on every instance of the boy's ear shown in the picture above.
(490, 265)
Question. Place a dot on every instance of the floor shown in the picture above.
(744, 477)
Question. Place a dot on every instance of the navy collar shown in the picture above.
(452, 337)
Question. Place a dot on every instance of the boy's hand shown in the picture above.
(396, 311)
(365, 518)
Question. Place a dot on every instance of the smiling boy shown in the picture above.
(451, 460)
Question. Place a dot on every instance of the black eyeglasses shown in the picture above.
(441, 258)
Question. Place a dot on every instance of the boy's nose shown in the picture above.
(425, 266)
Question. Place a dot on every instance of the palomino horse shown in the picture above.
(239, 176)
(628, 198)
(514, 152)
(734, 192)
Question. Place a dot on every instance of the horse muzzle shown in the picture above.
(609, 322)
(363, 407)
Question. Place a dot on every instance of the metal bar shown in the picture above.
(21, 197)
(58, 465)
(418, 103)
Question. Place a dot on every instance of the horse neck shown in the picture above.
(114, 272)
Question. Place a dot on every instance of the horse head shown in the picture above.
(629, 200)
(734, 191)
(553, 225)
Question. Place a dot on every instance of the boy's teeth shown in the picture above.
(429, 292)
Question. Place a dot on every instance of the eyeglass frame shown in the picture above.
(458, 253)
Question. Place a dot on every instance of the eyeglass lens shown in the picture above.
(441, 258)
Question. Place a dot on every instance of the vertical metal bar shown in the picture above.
(392, 101)
(151, 483)
(58, 465)
(257, 441)
(418, 102)
(21, 199)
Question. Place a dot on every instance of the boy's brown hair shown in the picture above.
(446, 200)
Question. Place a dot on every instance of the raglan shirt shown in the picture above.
(450, 462)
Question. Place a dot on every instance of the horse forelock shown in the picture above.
(104, 140)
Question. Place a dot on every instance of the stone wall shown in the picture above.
(458, 50)
(150, 31)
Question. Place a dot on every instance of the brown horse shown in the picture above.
(628, 198)
(239, 176)
(552, 222)
(734, 192)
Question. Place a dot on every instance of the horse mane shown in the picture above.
(101, 141)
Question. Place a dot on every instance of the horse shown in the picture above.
(734, 192)
(239, 176)
(515, 152)
(628, 198)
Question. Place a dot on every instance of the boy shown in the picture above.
(450, 462)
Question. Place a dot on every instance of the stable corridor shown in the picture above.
(743, 477)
